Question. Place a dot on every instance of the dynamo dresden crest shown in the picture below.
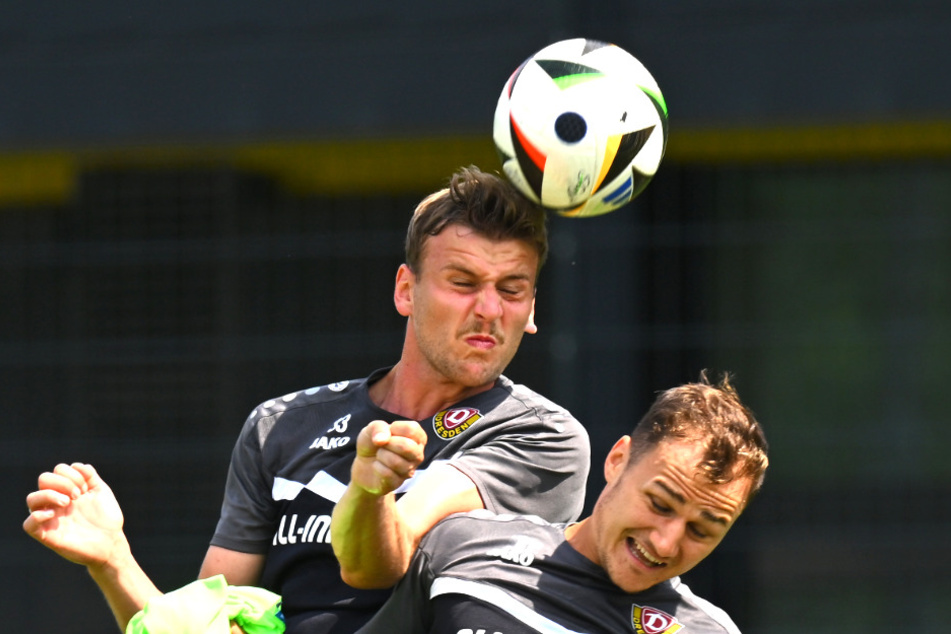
(450, 423)
(653, 621)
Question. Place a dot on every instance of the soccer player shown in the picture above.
(443, 414)
(674, 488)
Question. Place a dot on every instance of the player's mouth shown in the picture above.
(641, 555)
(482, 342)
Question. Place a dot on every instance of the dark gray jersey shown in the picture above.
(479, 572)
(292, 463)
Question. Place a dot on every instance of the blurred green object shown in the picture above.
(208, 606)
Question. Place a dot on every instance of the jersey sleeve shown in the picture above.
(246, 523)
(536, 464)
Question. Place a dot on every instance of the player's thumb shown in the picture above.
(375, 435)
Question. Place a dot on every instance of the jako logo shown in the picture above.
(452, 422)
(652, 621)
(327, 442)
(290, 531)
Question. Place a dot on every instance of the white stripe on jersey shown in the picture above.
(499, 598)
(327, 486)
(323, 484)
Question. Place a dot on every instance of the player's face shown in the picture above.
(469, 305)
(659, 518)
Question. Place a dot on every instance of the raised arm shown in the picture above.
(373, 536)
(75, 514)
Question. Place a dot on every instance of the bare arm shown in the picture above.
(75, 514)
(125, 586)
(240, 569)
(373, 536)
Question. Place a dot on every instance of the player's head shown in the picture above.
(473, 252)
(483, 202)
(712, 416)
(675, 486)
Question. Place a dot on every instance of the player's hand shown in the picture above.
(387, 455)
(75, 513)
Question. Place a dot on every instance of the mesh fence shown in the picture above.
(143, 321)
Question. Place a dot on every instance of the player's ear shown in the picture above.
(616, 461)
(530, 326)
(403, 292)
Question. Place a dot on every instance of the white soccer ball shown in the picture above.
(581, 127)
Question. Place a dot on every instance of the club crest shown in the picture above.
(647, 620)
(451, 422)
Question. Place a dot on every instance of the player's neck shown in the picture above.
(579, 537)
(413, 397)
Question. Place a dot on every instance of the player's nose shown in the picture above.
(667, 537)
(488, 306)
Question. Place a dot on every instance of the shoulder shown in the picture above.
(529, 398)
(467, 545)
(483, 526)
(528, 406)
(308, 397)
(263, 418)
(700, 614)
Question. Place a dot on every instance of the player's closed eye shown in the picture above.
(659, 506)
(698, 531)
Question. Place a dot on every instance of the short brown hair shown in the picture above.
(735, 445)
(484, 202)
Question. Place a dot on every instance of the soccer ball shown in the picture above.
(581, 127)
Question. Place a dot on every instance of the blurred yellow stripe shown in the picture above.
(812, 143)
(37, 177)
(375, 166)
(369, 166)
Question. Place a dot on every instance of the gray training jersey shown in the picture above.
(479, 572)
(292, 461)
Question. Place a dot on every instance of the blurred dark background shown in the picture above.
(202, 207)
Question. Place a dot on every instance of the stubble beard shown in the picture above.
(460, 370)
(612, 554)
